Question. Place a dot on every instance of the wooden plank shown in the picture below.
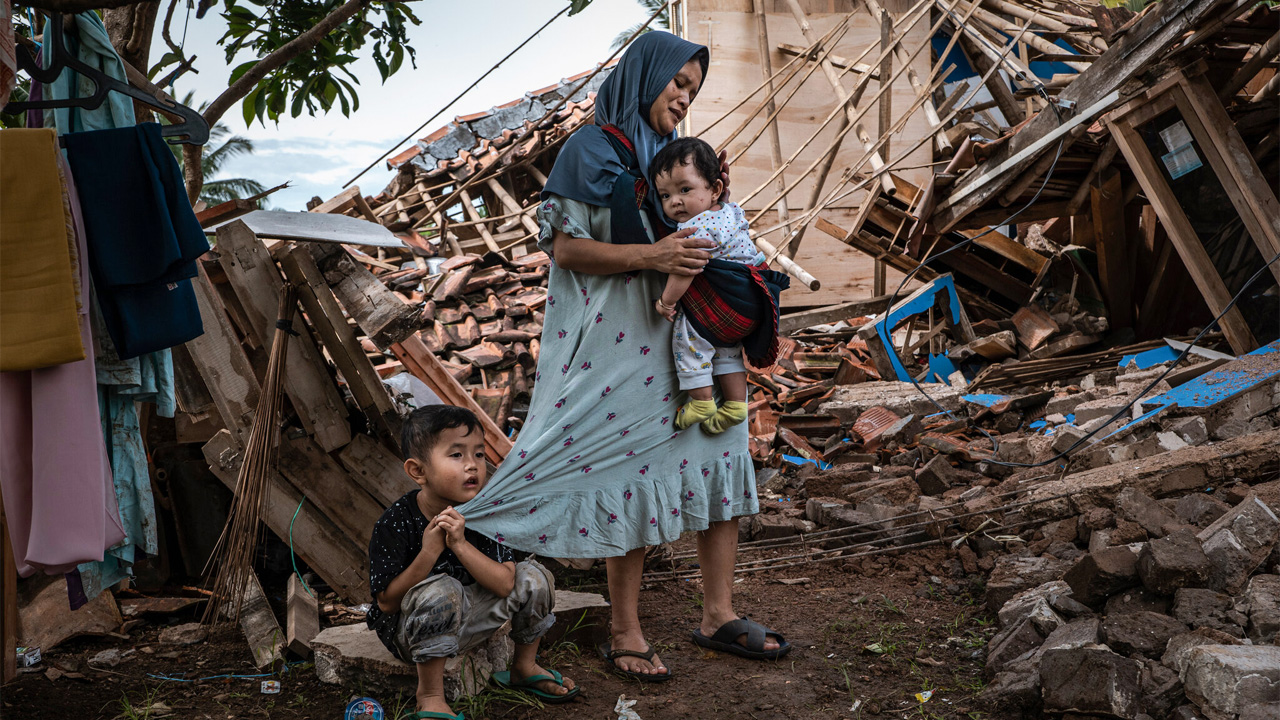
(1182, 235)
(379, 470)
(1133, 53)
(1114, 271)
(341, 563)
(340, 341)
(259, 626)
(221, 361)
(426, 367)
(257, 282)
(788, 324)
(379, 312)
(332, 489)
(339, 203)
(302, 618)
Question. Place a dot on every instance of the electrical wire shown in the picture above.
(1137, 396)
(459, 97)
(294, 558)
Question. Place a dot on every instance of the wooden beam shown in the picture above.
(329, 321)
(343, 565)
(1246, 186)
(469, 206)
(1182, 234)
(339, 496)
(302, 618)
(258, 623)
(995, 83)
(257, 282)
(381, 472)
(380, 313)
(840, 62)
(1114, 271)
(1135, 52)
(788, 324)
(425, 366)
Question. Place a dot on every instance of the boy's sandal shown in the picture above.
(725, 640)
(526, 685)
(427, 714)
(610, 655)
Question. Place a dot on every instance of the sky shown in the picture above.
(456, 43)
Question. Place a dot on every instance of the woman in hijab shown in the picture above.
(599, 469)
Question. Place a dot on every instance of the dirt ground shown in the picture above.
(868, 634)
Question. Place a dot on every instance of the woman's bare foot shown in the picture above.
(635, 642)
(710, 625)
(433, 703)
(520, 672)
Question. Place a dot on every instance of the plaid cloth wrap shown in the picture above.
(731, 303)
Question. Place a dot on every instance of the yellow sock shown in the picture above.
(729, 414)
(694, 412)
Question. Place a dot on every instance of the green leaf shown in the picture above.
(249, 105)
(577, 6)
(300, 96)
(397, 58)
(241, 69)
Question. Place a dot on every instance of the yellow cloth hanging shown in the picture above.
(39, 323)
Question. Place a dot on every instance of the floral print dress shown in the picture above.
(599, 468)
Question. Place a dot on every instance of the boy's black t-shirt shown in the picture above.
(396, 541)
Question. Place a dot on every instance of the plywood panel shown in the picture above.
(735, 71)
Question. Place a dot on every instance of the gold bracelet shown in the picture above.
(665, 306)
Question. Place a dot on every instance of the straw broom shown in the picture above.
(234, 554)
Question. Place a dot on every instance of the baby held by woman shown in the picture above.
(686, 175)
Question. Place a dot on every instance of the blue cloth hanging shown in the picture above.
(144, 238)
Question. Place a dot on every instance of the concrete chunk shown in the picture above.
(1180, 646)
(1144, 633)
(1200, 509)
(1141, 508)
(1102, 573)
(1176, 561)
(1012, 575)
(936, 477)
(1022, 605)
(1262, 599)
(353, 656)
(1225, 679)
(1238, 542)
(1090, 680)
(1200, 607)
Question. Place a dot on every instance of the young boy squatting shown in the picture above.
(440, 588)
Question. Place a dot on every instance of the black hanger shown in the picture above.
(193, 131)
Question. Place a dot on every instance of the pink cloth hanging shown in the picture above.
(55, 476)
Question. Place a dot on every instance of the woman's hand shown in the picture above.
(724, 175)
(680, 254)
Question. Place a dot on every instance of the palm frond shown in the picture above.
(220, 191)
(662, 22)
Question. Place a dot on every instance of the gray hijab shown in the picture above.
(588, 166)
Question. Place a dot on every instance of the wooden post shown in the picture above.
(302, 618)
(775, 144)
(1114, 272)
(878, 278)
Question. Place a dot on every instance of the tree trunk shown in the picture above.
(131, 29)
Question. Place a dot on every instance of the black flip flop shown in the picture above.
(610, 655)
(725, 640)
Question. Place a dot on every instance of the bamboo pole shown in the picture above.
(789, 265)
(834, 78)
(930, 111)
(775, 143)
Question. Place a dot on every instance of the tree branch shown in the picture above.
(283, 54)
